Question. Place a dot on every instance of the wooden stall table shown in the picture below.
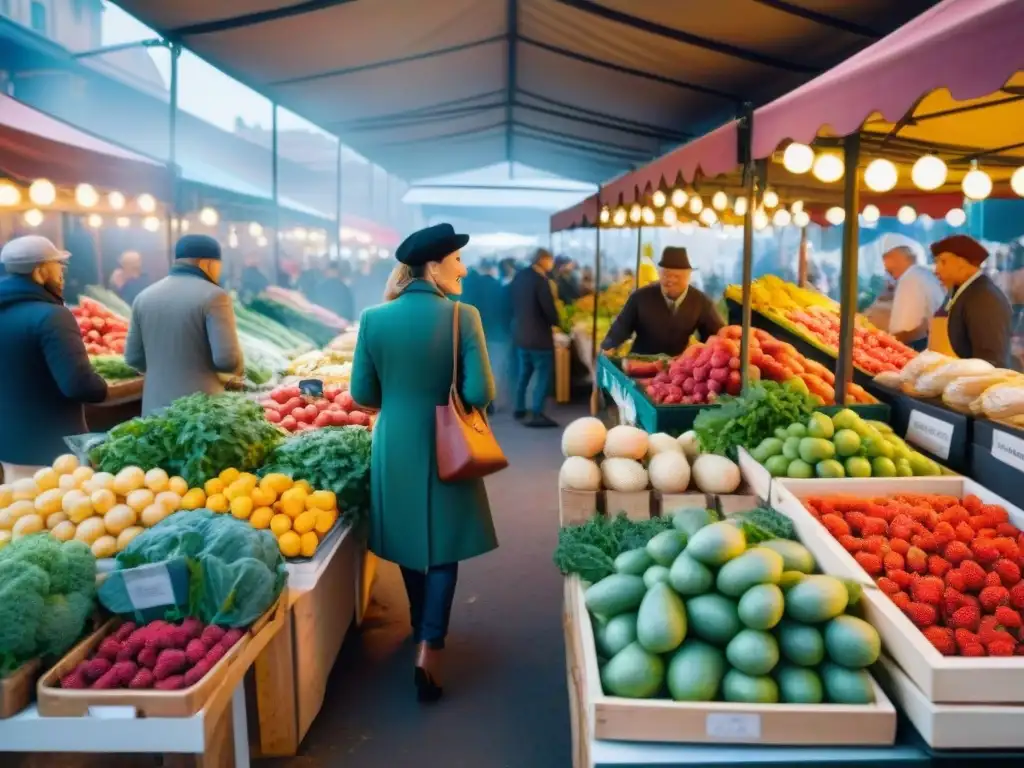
(123, 403)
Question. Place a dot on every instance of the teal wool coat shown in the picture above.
(403, 365)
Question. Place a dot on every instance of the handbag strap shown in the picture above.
(455, 349)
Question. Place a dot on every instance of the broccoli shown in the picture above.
(47, 591)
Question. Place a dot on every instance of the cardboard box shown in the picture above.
(636, 504)
(575, 507)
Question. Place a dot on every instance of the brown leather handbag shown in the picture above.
(466, 447)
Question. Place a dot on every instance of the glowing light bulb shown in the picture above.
(719, 201)
(696, 205)
(801, 219)
(906, 215)
(262, 242)
(798, 158)
(835, 216)
(658, 199)
(828, 167)
(42, 192)
(636, 212)
(95, 221)
(1016, 182)
(760, 219)
(679, 198)
(9, 194)
(86, 195)
(648, 215)
(781, 218)
(208, 217)
(871, 214)
(797, 206)
(708, 217)
(146, 203)
(880, 175)
(620, 217)
(769, 199)
(123, 222)
(956, 217)
(669, 216)
(33, 217)
(739, 206)
(151, 224)
(255, 229)
(116, 200)
(605, 217)
(185, 225)
(977, 184)
(929, 172)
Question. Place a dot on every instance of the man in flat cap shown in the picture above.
(183, 334)
(664, 315)
(980, 318)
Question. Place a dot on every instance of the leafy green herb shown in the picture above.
(762, 524)
(589, 550)
(749, 418)
(112, 367)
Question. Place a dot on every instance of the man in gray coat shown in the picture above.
(182, 334)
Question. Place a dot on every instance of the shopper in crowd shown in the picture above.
(586, 281)
(566, 280)
(534, 316)
(254, 282)
(333, 292)
(404, 365)
(48, 376)
(918, 293)
(311, 277)
(507, 270)
(182, 333)
(664, 315)
(127, 281)
(979, 317)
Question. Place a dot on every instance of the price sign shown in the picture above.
(149, 586)
(930, 433)
(733, 726)
(311, 387)
(1008, 449)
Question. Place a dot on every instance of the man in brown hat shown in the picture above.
(665, 314)
(980, 317)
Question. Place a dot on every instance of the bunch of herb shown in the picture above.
(112, 367)
(196, 437)
(330, 459)
(762, 524)
(589, 550)
(751, 417)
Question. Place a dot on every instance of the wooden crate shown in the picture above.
(662, 720)
(941, 679)
(755, 477)
(17, 688)
(575, 507)
(667, 503)
(563, 374)
(636, 505)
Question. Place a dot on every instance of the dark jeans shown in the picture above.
(542, 363)
(430, 602)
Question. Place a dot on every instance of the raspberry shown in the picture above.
(902, 578)
(172, 683)
(925, 541)
(125, 630)
(1008, 617)
(974, 575)
(125, 671)
(901, 600)
(964, 533)
(143, 679)
(917, 560)
(942, 638)
(955, 580)
(944, 533)
(108, 681)
(956, 552)
(974, 649)
(1001, 647)
(937, 566)
(171, 661)
(835, 525)
(850, 543)
(992, 580)
(966, 617)
(992, 597)
(893, 561)
(231, 637)
(147, 657)
(1009, 571)
(874, 526)
(985, 551)
(928, 589)
(922, 614)
(74, 681)
(1017, 595)
(109, 648)
(888, 586)
(195, 651)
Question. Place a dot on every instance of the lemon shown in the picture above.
(79, 510)
(104, 546)
(46, 478)
(248, 479)
(325, 520)
(308, 543)
(290, 544)
(49, 501)
(103, 500)
(304, 485)
(293, 501)
(169, 499)
(229, 475)
(156, 480)
(321, 500)
(280, 525)
(153, 514)
(89, 530)
(127, 480)
(119, 518)
(217, 503)
(99, 482)
(241, 507)
(61, 531)
(26, 525)
(66, 464)
(126, 536)
(178, 485)
(304, 522)
(55, 519)
(261, 517)
(276, 482)
(194, 498)
(263, 496)
(214, 486)
(139, 499)
(66, 483)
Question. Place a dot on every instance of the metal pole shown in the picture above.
(848, 275)
(801, 269)
(595, 398)
(746, 156)
(274, 194)
(172, 148)
(639, 251)
(337, 204)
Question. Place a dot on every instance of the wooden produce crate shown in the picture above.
(667, 503)
(613, 718)
(17, 689)
(941, 679)
(636, 505)
(563, 374)
(576, 507)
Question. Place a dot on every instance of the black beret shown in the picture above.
(965, 247)
(197, 247)
(431, 244)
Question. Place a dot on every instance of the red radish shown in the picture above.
(358, 418)
(339, 418)
(279, 396)
(299, 413)
(323, 420)
(291, 404)
(274, 417)
(346, 401)
(311, 412)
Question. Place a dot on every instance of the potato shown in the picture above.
(64, 531)
(90, 530)
(66, 464)
(129, 479)
(26, 525)
(156, 480)
(118, 518)
(103, 500)
(49, 501)
(169, 499)
(52, 521)
(82, 475)
(127, 535)
(104, 546)
(46, 478)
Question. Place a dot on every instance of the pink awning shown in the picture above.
(970, 47)
(381, 234)
(584, 214)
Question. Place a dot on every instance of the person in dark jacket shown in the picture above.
(980, 316)
(565, 280)
(664, 315)
(333, 293)
(533, 316)
(48, 376)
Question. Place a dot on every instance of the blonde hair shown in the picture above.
(401, 277)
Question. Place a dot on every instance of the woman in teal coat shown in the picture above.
(403, 366)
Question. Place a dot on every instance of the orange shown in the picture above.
(308, 543)
(290, 544)
(229, 475)
(325, 520)
(217, 503)
(214, 486)
(304, 522)
(261, 517)
(293, 501)
(280, 525)
(321, 500)
(241, 507)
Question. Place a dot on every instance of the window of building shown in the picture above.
(39, 17)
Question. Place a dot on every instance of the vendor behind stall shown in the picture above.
(918, 293)
(48, 376)
(665, 314)
(978, 315)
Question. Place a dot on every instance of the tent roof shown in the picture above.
(582, 88)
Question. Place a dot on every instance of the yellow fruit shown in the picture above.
(73, 497)
(89, 530)
(217, 503)
(24, 490)
(276, 482)
(169, 499)
(128, 479)
(263, 497)
(229, 475)
(62, 531)
(156, 480)
(321, 500)
(236, 490)
(48, 502)
(280, 525)
(260, 517)
(247, 479)
(293, 501)
(103, 500)
(99, 482)
(55, 519)
(5, 538)
(66, 464)
(126, 536)
(153, 514)
(119, 518)
(241, 507)
(79, 510)
(304, 522)
(18, 510)
(66, 483)
(325, 520)
(104, 546)
(46, 478)
(214, 486)
(6, 495)
(308, 543)
(82, 475)
(304, 485)
(139, 499)
(193, 499)
(178, 485)
(6, 523)
(26, 525)
(290, 544)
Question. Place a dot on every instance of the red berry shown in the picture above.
(951, 600)
(966, 617)
(993, 597)
(871, 563)
(901, 600)
(902, 578)
(937, 566)
(955, 580)
(974, 649)
(928, 589)
(899, 545)
(893, 561)
(1017, 595)
(856, 519)
(992, 580)
(874, 526)
(917, 560)
(1008, 570)
(956, 552)
(888, 586)
(876, 545)
(964, 533)
(850, 543)
(942, 638)
(965, 637)
(985, 551)
(835, 525)
(925, 541)
(1002, 647)
(922, 614)
(944, 534)
(974, 575)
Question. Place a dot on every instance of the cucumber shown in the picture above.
(633, 562)
(633, 673)
(761, 606)
(852, 642)
(756, 566)
(695, 672)
(753, 652)
(615, 594)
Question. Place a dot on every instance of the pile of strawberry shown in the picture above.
(160, 655)
(952, 566)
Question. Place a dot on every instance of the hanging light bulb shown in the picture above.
(977, 184)
(708, 217)
(10, 195)
(605, 215)
(906, 215)
(801, 219)
(679, 198)
(669, 216)
(33, 217)
(208, 217)
(781, 218)
(151, 224)
(797, 206)
(116, 200)
(835, 215)
(696, 205)
(301, 234)
(1016, 182)
(880, 175)
(739, 206)
(86, 195)
(956, 217)
(619, 218)
(760, 219)
(769, 199)
(871, 214)
(185, 225)
(719, 201)
(123, 222)
(42, 192)
(798, 158)
(929, 172)
(255, 229)
(828, 167)
(635, 212)
(648, 215)
(147, 203)
(95, 221)
(262, 242)
(658, 199)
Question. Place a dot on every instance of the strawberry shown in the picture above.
(967, 617)
(974, 575)
(143, 679)
(1008, 530)
(992, 579)
(74, 681)
(110, 648)
(974, 649)
(1008, 570)
(925, 541)
(197, 673)
(992, 597)
(917, 560)
(96, 668)
(956, 552)
(944, 534)
(964, 533)
(1019, 650)
(922, 614)
(231, 637)
(108, 681)
(985, 551)
(877, 545)
(835, 525)
(888, 586)
(995, 514)
(937, 566)
(172, 683)
(850, 543)
(978, 522)
(901, 600)
(195, 651)
(871, 563)
(170, 662)
(125, 630)
(951, 600)
(1007, 546)
(972, 504)
(211, 636)
(125, 671)
(901, 578)
(1017, 595)
(874, 526)
(856, 520)
(928, 589)
(893, 561)
(899, 545)
(1001, 647)
(991, 631)
(193, 626)
(942, 638)
(965, 637)
(1009, 617)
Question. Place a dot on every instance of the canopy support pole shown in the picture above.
(639, 251)
(848, 275)
(274, 194)
(172, 148)
(595, 398)
(746, 134)
(801, 270)
(337, 204)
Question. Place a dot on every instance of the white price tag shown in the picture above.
(934, 435)
(112, 712)
(149, 586)
(733, 726)
(1008, 449)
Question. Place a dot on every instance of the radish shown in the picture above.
(311, 412)
(289, 423)
(279, 396)
(323, 420)
(339, 418)
(274, 417)
(358, 418)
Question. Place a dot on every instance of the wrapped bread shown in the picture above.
(1002, 401)
(921, 364)
(933, 382)
(891, 379)
(960, 393)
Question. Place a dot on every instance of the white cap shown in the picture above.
(893, 240)
(23, 254)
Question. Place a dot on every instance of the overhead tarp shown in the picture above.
(586, 89)
(584, 214)
(34, 145)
